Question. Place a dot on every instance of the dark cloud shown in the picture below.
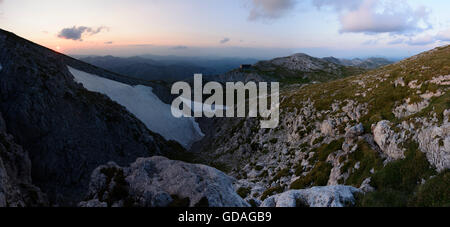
(378, 16)
(270, 9)
(224, 40)
(76, 33)
(109, 42)
(180, 48)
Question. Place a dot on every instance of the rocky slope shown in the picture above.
(160, 182)
(369, 63)
(295, 69)
(55, 132)
(386, 132)
(332, 196)
(16, 188)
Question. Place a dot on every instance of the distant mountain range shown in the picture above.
(369, 63)
(174, 68)
(295, 69)
(166, 68)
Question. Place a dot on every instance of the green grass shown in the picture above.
(271, 191)
(321, 153)
(434, 193)
(243, 192)
(282, 173)
(396, 183)
(318, 176)
(368, 158)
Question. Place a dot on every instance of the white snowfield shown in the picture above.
(205, 108)
(145, 105)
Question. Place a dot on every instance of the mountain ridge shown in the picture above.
(382, 131)
(66, 130)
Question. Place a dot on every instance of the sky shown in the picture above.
(231, 28)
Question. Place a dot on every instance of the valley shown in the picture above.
(74, 134)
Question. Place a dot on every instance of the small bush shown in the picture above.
(434, 193)
(243, 192)
(396, 183)
(318, 176)
(271, 191)
(282, 173)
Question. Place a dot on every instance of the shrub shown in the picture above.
(280, 174)
(271, 191)
(243, 192)
(396, 183)
(434, 193)
(368, 159)
(318, 176)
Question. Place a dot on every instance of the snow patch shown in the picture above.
(214, 108)
(145, 105)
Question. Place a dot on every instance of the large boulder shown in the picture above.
(388, 140)
(329, 196)
(434, 141)
(327, 128)
(354, 131)
(160, 182)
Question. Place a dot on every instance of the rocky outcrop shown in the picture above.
(369, 63)
(434, 140)
(366, 187)
(160, 182)
(441, 80)
(303, 62)
(66, 130)
(16, 188)
(388, 140)
(327, 127)
(408, 108)
(330, 196)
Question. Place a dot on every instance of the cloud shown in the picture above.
(443, 35)
(270, 9)
(225, 40)
(109, 42)
(338, 5)
(370, 42)
(421, 40)
(179, 47)
(378, 16)
(76, 33)
(397, 41)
